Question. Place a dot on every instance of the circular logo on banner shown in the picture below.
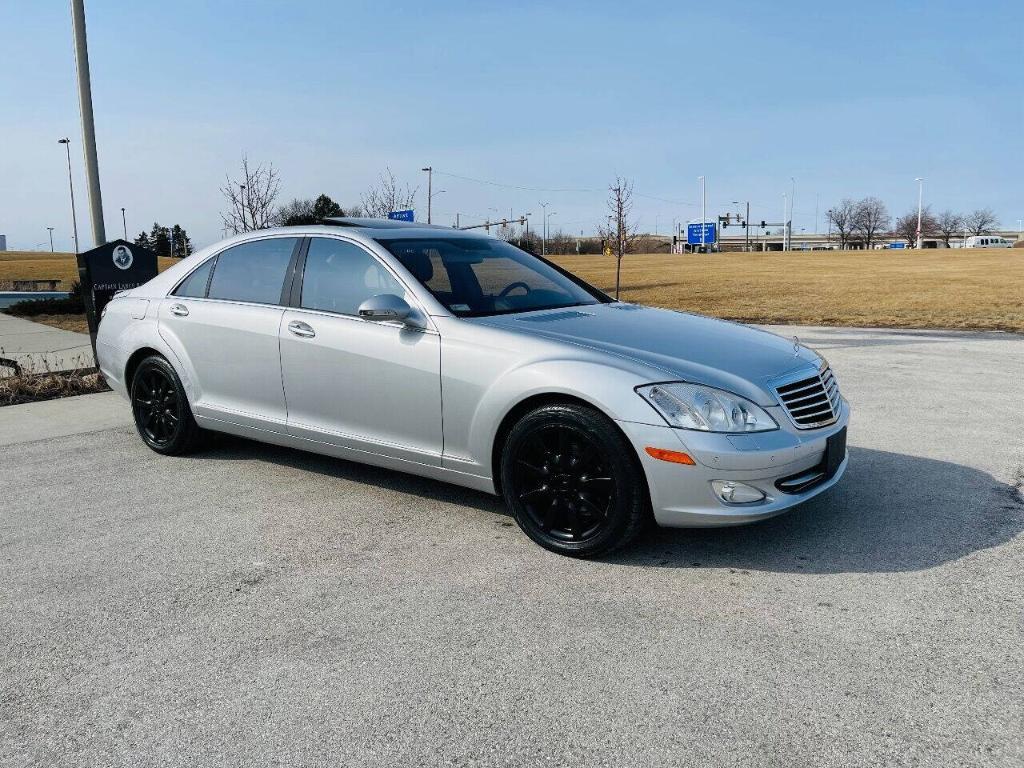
(123, 257)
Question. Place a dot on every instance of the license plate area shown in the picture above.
(835, 452)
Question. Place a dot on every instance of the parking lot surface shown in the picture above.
(251, 605)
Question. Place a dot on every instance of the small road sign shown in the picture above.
(409, 215)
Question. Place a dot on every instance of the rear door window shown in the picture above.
(194, 286)
(253, 272)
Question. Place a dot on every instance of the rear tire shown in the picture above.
(572, 481)
(162, 414)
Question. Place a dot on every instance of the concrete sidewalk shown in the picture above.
(62, 417)
(37, 347)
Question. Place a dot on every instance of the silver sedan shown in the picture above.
(465, 359)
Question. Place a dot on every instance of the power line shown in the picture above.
(515, 186)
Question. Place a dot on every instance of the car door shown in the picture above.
(359, 384)
(223, 323)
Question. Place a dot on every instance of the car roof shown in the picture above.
(374, 229)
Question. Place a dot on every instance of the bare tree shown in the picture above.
(843, 218)
(250, 198)
(871, 218)
(948, 224)
(981, 221)
(387, 196)
(906, 225)
(622, 228)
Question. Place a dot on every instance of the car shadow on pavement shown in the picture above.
(889, 513)
(228, 447)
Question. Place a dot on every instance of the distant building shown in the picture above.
(3, 242)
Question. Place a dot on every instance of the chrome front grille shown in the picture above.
(812, 401)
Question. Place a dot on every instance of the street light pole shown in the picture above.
(124, 223)
(50, 229)
(920, 199)
(71, 185)
(703, 213)
(789, 221)
(430, 180)
(92, 174)
(785, 210)
(544, 229)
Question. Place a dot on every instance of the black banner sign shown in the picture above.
(103, 271)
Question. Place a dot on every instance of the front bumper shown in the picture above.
(682, 495)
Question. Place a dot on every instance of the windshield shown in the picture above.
(478, 276)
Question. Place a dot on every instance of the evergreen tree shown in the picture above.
(182, 242)
(142, 240)
(160, 240)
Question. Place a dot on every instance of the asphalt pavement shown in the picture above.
(252, 605)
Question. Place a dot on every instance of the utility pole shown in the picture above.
(124, 223)
(544, 230)
(746, 242)
(703, 213)
(92, 173)
(430, 179)
(920, 200)
(50, 229)
(71, 185)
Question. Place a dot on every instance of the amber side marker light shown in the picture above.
(676, 457)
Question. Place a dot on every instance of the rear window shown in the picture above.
(253, 272)
(194, 286)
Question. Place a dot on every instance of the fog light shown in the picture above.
(732, 492)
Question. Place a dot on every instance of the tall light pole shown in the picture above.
(547, 218)
(789, 227)
(71, 185)
(703, 213)
(429, 170)
(920, 200)
(124, 223)
(92, 173)
(1019, 229)
(785, 212)
(50, 229)
(544, 229)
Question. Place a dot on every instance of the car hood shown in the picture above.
(679, 345)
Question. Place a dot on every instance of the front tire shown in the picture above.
(572, 481)
(163, 417)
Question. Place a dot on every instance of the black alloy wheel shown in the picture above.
(572, 481)
(162, 414)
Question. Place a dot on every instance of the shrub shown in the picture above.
(72, 305)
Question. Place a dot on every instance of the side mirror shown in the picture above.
(385, 307)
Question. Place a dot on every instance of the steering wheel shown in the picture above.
(509, 288)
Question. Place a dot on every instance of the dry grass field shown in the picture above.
(975, 289)
(43, 265)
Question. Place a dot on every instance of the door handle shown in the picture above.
(179, 309)
(299, 328)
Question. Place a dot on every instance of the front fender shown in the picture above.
(609, 389)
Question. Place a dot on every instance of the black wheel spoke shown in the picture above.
(157, 407)
(561, 481)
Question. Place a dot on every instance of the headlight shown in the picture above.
(692, 406)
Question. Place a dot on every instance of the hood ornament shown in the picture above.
(796, 346)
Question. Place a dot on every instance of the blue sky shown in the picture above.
(848, 99)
